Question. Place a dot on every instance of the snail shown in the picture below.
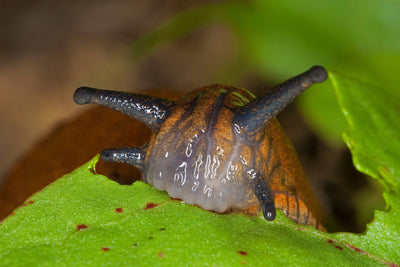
(220, 147)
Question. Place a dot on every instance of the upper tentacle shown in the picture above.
(152, 111)
(256, 114)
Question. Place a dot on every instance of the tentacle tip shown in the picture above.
(270, 215)
(107, 155)
(82, 95)
(318, 74)
(269, 211)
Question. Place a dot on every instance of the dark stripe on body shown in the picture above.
(212, 117)
(298, 204)
(186, 114)
(269, 156)
(188, 111)
(308, 215)
(274, 168)
(287, 203)
(298, 209)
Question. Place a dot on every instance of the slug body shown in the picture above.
(220, 147)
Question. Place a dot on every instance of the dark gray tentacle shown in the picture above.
(264, 195)
(131, 155)
(256, 114)
(152, 111)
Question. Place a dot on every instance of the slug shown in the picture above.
(220, 147)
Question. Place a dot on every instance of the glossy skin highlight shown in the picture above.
(220, 147)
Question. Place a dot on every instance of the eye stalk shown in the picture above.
(83, 95)
(152, 111)
(256, 114)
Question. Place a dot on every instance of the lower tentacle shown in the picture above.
(130, 155)
(265, 197)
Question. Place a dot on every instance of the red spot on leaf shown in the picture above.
(386, 168)
(150, 237)
(81, 227)
(243, 262)
(338, 247)
(369, 255)
(356, 249)
(28, 202)
(119, 210)
(150, 205)
(105, 249)
(161, 254)
(244, 253)
(12, 213)
(331, 242)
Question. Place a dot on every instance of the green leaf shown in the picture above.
(373, 116)
(87, 219)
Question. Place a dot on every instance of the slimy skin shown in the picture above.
(220, 147)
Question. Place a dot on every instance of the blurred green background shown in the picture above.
(277, 40)
(50, 49)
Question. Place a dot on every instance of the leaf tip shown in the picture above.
(91, 164)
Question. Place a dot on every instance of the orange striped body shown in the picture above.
(199, 156)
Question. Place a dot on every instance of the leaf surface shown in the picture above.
(87, 219)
